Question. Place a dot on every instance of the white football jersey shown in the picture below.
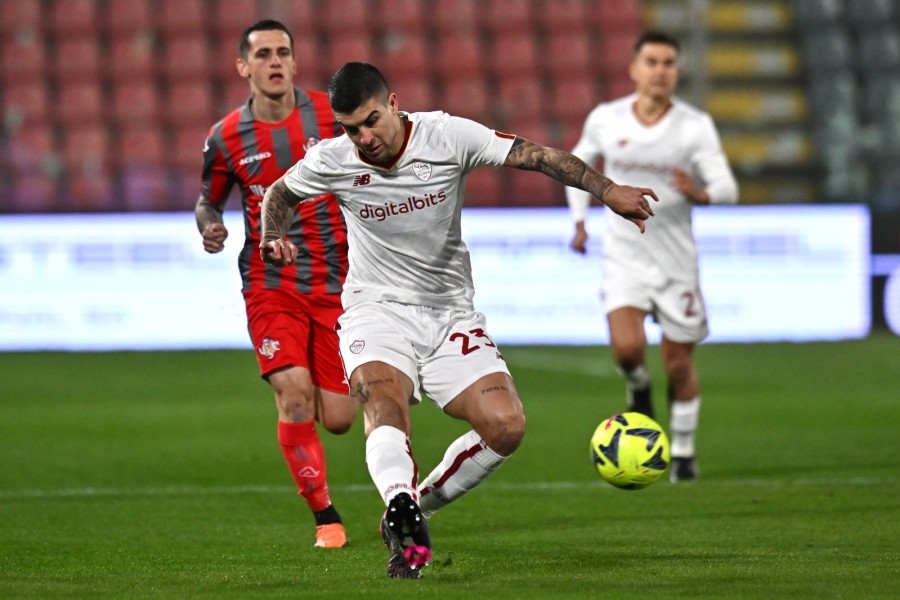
(403, 221)
(643, 156)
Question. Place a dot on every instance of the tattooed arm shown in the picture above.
(626, 201)
(211, 225)
(277, 212)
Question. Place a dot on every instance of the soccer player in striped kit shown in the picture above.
(409, 324)
(291, 311)
(653, 138)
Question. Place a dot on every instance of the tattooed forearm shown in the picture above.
(277, 211)
(560, 165)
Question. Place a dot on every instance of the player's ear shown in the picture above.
(242, 68)
(392, 103)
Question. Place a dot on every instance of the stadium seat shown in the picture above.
(484, 187)
(32, 149)
(827, 48)
(865, 13)
(459, 56)
(139, 145)
(230, 19)
(86, 149)
(235, 92)
(303, 20)
(514, 54)
(23, 55)
(621, 16)
(92, 192)
(80, 103)
(615, 52)
(186, 57)
(810, 14)
(404, 55)
(146, 188)
(563, 16)
(568, 54)
(34, 193)
(182, 17)
(415, 94)
(347, 47)
(26, 102)
(133, 56)
(527, 188)
(467, 97)
(77, 58)
(573, 98)
(458, 18)
(345, 18)
(136, 102)
(879, 48)
(21, 16)
(509, 16)
(520, 99)
(189, 102)
(127, 18)
(186, 149)
(73, 18)
(401, 15)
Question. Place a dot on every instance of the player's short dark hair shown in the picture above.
(656, 37)
(264, 25)
(354, 84)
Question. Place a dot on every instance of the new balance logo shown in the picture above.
(362, 180)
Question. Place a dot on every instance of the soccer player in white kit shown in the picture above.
(409, 325)
(652, 138)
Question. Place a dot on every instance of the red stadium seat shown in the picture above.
(186, 58)
(405, 55)
(140, 146)
(569, 54)
(510, 16)
(73, 18)
(515, 54)
(402, 15)
(78, 58)
(86, 149)
(230, 19)
(622, 16)
(616, 50)
(30, 148)
(521, 99)
(347, 17)
(467, 97)
(21, 16)
(34, 193)
(26, 102)
(189, 102)
(415, 94)
(80, 103)
(133, 56)
(484, 187)
(460, 56)
(572, 99)
(182, 17)
(137, 102)
(528, 188)
(461, 17)
(126, 18)
(304, 19)
(235, 93)
(347, 47)
(23, 56)
(186, 149)
(564, 16)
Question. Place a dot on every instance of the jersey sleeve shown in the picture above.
(217, 178)
(711, 165)
(476, 145)
(308, 178)
(589, 149)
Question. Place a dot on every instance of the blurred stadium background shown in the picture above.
(105, 103)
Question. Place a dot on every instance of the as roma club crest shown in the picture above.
(357, 346)
(422, 170)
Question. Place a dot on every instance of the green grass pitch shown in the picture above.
(157, 475)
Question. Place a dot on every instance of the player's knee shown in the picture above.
(505, 432)
(338, 418)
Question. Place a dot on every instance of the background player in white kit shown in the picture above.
(652, 138)
(409, 324)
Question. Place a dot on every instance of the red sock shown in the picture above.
(305, 457)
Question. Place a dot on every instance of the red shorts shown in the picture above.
(293, 329)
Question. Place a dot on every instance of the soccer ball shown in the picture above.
(630, 450)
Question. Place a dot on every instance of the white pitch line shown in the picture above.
(89, 492)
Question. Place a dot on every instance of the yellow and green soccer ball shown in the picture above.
(630, 450)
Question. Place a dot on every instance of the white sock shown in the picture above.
(391, 463)
(683, 417)
(467, 462)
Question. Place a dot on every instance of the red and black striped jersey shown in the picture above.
(253, 154)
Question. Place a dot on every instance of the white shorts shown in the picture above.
(442, 351)
(677, 306)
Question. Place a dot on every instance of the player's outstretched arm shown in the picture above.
(277, 212)
(626, 201)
